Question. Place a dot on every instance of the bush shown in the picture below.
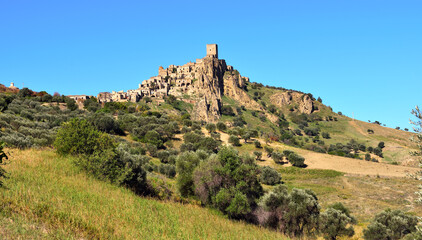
(3, 157)
(277, 157)
(79, 137)
(186, 162)
(269, 150)
(221, 126)
(296, 160)
(234, 140)
(258, 155)
(210, 127)
(310, 131)
(257, 144)
(287, 153)
(228, 183)
(378, 151)
(270, 176)
(335, 223)
(105, 123)
(325, 135)
(295, 214)
(168, 170)
(390, 225)
(227, 110)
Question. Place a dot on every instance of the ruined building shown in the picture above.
(206, 80)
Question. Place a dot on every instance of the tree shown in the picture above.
(381, 145)
(258, 155)
(79, 137)
(334, 223)
(368, 157)
(277, 157)
(257, 144)
(378, 151)
(210, 127)
(269, 150)
(221, 126)
(270, 176)
(234, 140)
(390, 225)
(246, 137)
(24, 92)
(325, 135)
(228, 182)
(3, 157)
(227, 110)
(418, 140)
(337, 221)
(295, 214)
(296, 160)
(71, 104)
(186, 163)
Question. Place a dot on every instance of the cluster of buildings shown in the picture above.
(174, 80)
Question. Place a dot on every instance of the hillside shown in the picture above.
(46, 197)
(198, 151)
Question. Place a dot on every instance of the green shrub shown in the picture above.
(234, 140)
(287, 153)
(186, 162)
(277, 157)
(79, 137)
(228, 182)
(227, 110)
(336, 221)
(168, 170)
(258, 155)
(270, 176)
(3, 157)
(269, 150)
(257, 144)
(390, 225)
(296, 160)
(221, 126)
(294, 214)
(325, 135)
(210, 127)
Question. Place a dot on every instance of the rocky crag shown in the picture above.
(206, 81)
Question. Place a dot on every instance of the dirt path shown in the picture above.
(353, 123)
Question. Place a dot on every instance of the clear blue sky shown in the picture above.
(361, 56)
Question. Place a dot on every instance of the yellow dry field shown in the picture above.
(316, 160)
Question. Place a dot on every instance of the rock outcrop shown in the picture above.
(209, 89)
(306, 105)
(304, 101)
(233, 88)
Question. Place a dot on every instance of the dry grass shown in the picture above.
(47, 197)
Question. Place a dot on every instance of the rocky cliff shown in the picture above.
(304, 101)
(209, 89)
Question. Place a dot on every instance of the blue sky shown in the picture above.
(362, 57)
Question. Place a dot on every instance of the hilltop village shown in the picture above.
(205, 81)
(174, 80)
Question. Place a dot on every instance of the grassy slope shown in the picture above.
(47, 197)
(397, 142)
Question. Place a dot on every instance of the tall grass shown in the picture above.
(47, 197)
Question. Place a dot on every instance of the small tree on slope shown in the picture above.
(418, 140)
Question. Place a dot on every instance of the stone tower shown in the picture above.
(212, 50)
